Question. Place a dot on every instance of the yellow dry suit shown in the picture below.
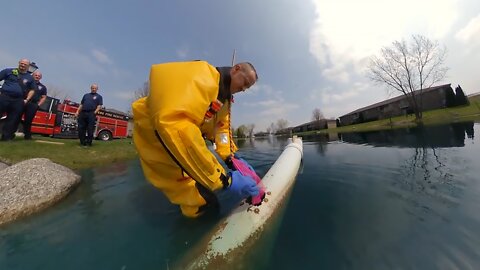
(169, 131)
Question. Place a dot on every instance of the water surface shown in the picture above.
(404, 199)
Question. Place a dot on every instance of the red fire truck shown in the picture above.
(58, 120)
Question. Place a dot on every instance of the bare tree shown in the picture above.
(317, 115)
(282, 124)
(55, 92)
(272, 128)
(250, 128)
(139, 93)
(406, 67)
(142, 91)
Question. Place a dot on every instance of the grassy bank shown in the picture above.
(434, 117)
(67, 152)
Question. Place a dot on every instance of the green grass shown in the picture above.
(434, 117)
(67, 152)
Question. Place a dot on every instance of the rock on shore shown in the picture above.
(3, 166)
(32, 185)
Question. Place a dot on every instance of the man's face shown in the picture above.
(242, 78)
(94, 88)
(23, 65)
(37, 76)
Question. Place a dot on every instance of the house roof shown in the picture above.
(394, 99)
(315, 121)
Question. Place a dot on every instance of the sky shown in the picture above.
(308, 53)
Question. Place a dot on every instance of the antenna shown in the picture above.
(233, 57)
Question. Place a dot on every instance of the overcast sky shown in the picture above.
(308, 54)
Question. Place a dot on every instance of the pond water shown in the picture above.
(404, 199)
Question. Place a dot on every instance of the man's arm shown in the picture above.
(99, 104)
(42, 100)
(176, 120)
(80, 107)
(32, 85)
(29, 95)
(78, 110)
(43, 96)
(225, 147)
(184, 142)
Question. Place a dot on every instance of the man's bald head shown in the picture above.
(243, 76)
(37, 75)
(23, 65)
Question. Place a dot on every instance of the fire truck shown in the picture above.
(57, 119)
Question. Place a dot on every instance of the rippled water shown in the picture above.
(405, 199)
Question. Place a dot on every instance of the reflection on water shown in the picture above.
(401, 199)
(427, 162)
(452, 135)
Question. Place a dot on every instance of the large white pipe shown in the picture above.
(235, 236)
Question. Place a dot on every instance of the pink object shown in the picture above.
(245, 170)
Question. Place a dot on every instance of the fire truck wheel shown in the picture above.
(104, 135)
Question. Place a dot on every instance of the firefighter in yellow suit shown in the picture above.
(189, 102)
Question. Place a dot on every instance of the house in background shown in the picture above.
(315, 125)
(437, 97)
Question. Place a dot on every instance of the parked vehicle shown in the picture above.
(58, 120)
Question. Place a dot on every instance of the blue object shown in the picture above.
(243, 185)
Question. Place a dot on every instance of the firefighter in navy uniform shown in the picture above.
(17, 89)
(188, 101)
(86, 115)
(31, 107)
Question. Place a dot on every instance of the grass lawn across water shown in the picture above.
(470, 112)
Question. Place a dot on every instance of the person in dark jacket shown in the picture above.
(31, 107)
(86, 115)
(17, 89)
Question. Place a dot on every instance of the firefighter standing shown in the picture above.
(31, 107)
(17, 89)
(86, 115)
